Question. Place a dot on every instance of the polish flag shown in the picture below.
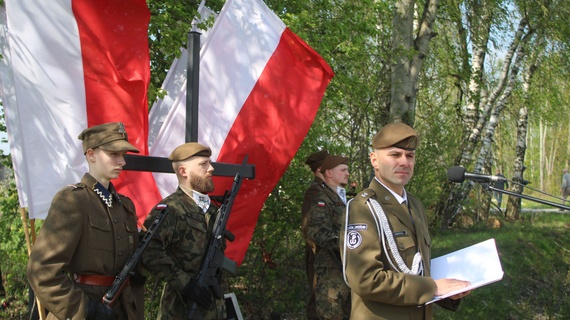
(260, 89)
(73, 64)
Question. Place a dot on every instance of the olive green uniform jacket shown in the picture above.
(83, 236)
(176, 252)
(378, 291)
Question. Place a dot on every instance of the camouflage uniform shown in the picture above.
(308, 199)
(324, 221)
(176, 251)
(82, 235)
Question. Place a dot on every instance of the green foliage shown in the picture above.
(272, 278)
(13, 251)
(535, 256)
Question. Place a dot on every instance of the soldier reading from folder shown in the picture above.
(89, 234)
(385, 242)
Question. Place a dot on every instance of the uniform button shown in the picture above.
(118, 237)
(402, 246)
(115, 220)
(387, 198)
(120, 254)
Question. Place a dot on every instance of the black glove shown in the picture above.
(98, 311)
(197, 293)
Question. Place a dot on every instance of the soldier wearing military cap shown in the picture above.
(88, 236)
(323, 228)
(314, 162)
(176, 251)
(384, 239)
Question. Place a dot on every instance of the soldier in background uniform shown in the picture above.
(176, 251)
(314, 161)
(385, 242)
(88, 236)
(323, 229)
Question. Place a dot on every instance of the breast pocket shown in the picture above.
(99, 236)
(195, 237)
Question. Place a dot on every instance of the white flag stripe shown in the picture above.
(230, 65)
(43, 80)
(11, 115)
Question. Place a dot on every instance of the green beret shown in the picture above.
(331, 162)
(188, 150)
(397, 135)
(316, 159)
(108, 136)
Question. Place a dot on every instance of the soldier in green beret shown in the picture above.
(88, 236)
(385, 242)
(176, 251)
(314, 162)
(323, 228)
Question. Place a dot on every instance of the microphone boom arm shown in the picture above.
(523, 196)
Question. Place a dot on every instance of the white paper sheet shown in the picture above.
(478, 264)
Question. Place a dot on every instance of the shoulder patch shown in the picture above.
(354, 240)
(321, 203)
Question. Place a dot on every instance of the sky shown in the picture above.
(4, 146)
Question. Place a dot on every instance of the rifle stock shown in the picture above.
(123, 278)
(215, 262)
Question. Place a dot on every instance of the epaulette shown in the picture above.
(364, 195)
(78, 185)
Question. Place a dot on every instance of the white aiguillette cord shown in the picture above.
(386, 233)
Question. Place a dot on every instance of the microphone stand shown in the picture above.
(488, 187)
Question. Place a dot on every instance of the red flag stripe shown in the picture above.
(114, 47)
(270, 128)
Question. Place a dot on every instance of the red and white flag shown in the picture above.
(260, 89)
(72, 64)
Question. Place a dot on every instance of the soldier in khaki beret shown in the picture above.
(88, 236)
(176, 251)
(385, 242)
(324, 220)
(314, 162)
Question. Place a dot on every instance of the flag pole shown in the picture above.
(41, 311)
(192, 85)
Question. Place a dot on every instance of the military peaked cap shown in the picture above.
(108, 136)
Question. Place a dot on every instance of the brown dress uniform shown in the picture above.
(378, 291)
(84, 236)
(324, 222)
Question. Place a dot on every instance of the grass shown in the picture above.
(534, 253)
(535, 256)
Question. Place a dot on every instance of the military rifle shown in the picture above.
(215, 261)
(123, 278)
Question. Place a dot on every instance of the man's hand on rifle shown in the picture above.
(197, 293)
(98, 311)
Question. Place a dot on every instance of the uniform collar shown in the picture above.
(202, 200)
(396, 196)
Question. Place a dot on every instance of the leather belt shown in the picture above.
(94, 280)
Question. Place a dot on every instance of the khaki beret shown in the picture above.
(316, 159)
(108, 136)
(188, 150)
(396, 135)
(331, 162)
